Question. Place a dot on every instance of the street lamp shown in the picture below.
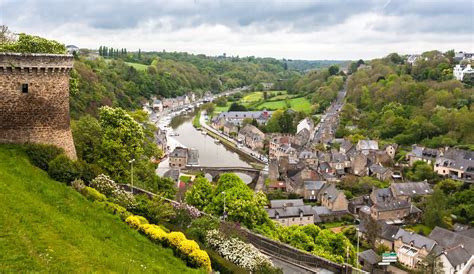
(131, 178)
(223, 192)
(357, 256)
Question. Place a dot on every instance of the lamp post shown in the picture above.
(131, 178)
(223, 192)
(357, 256)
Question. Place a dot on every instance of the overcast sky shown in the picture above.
(283, 29)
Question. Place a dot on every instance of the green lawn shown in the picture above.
(46, 226)
(137, 66)
(222, 109)
(251, 97)
(297, 104)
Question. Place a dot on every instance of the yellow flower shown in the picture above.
(135, 221)
(200, 258)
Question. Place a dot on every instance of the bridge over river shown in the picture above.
(254, 173)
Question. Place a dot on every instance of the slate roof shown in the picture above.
(370, 256)
(368, 145)
(179, 152)
(378, 169)
(411, 189)
(469, 233)
(314, 185)
(418, 240)
(172, 173)
(382, 195)
(291, 211)
(287, 203)
(449, 239)
(388, 232)
(392, 205)
(322, 210)
(331, 191)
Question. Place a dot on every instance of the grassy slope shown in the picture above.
(137, 66)
(297, 104)
(46, 226)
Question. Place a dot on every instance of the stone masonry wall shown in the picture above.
(42, 114)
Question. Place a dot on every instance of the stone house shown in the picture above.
(290, 212)
(157, 105)
(419, 153)
(456, 164)
(179, 157)
(386, 207)
(367, 145)
(306, 123)
(455, 251)
(230, 129)
(368, 260)
(308, 156)
(312, 189)
(251, 136)
(359, 164)
(332, 198)
(406, 191)
(277, 185)
(380, 172)
(237, 117)
(412, 248)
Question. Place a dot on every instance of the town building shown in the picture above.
(157, 105)
(406, 191)
(179, 157)
(251, 136)
(419, 153)
(368, 260)
(290, 212)
(312, 189)
(333, 199)
(456, 164)
(463, 72)
(237, 117)
(412, 248)
(380, 172)
(367, 145)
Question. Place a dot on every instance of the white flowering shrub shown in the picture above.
(240, 253)
(105, 185)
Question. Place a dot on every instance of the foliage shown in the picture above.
(64, 169)
(357, 186)
(200, 194)
(67, 232)
(33, 44)
(184, 214)
(159, 210)
(222, 265)
(40, 155)
(200, 226)
(421, 171)
(196, 120)
(136, 221)
(242, 204)
(237, 251)
(92, 194)
(108, 187)
(436, 213)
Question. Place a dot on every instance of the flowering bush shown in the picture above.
(237, 251)
(154, 232)
(104, 184)
(78, 184)
(200, 258)
(186, 247)
(191, 210)
(136, 221)
(174, 238)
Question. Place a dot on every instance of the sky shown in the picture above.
(311, 30)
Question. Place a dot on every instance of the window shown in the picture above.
(24, 88)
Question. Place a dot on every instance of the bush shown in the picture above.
(154, 232)
(78, 184)
(174, 238)
(40, 155)
(63, 169)
(199, 227)
(224, 266)
(135, 221)
(114, 208)
(105, 185)
(186, 247)
(199, 258)
(92, 194)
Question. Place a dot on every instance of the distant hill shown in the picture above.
(46, 226)
(305, 65)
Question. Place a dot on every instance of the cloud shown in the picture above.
(293, 29)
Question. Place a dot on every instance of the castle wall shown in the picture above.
(40, 115)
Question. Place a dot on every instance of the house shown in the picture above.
(286, 203)
(411, 59)
(237, 117)
(380, 172)
(345, 146)
(386, 207)
(456, 251)
(456, 164)
(368, 260)
(161, 140)
(179, 157)
(308, 156)
(302, 137)
(412, 248)
(307, 124)
(406, 191)
(157, 105)
(277, 185)
(367, 145)
(292, 215)
(230, 129)
(251, 136)
(359, 164)
(72, 49)
(463, 72)
(458, 56)
(332, 198)
(312, 189)
(419, 153)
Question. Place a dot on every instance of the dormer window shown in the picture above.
(24, 88)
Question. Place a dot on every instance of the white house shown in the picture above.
(412, 58)
(306, 123)
(460, 71)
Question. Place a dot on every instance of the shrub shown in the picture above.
(136, 221)
(40, 155)
(154, 232)
(114, 208)
(63, 169)
(223, 265)
(104, 184)
(200, 226)
(92, 194)
(78, 184)
(186, 247)
(199, 258)
(174, 238)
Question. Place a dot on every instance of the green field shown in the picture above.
(222, 109)
(252, 97)
(46, 226)
(297, 104)
(137, 66)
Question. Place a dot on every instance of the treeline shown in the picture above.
(113, 81)
(393, 100)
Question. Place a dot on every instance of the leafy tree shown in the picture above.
(436, 213)
(221, 101)
(200, 194)
(33, 44)
(64, 169)
(333, 70)
(421, 171)
(237, 107)
(159, 210)
(87, 138)
(449, 186)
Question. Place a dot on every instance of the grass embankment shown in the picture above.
(297, 104)
(137, 66)
(197, 120)
(46, 226)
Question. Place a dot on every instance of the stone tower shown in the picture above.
(34, 100)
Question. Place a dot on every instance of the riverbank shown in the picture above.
(197, 120)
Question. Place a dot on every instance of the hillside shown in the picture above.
(49, 227)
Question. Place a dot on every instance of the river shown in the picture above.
(210, 153)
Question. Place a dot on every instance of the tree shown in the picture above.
(449, 186)
(237, 107)
(436, 213)
(87, 135)
(33, 44)
(221, 101)
(432, 264)
(5, 35)
(121, 140)
(159, 210)
(200, 194)
(333, 70)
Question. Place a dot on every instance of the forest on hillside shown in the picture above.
(390, 99)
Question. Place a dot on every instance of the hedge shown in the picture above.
(92, 194)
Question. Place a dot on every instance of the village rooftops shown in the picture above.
(179, 152)
(457, 248)
(370, 256)
(258, 115)
(291, 211)
(286, 203)
(392, 205)
(314, 185)
(416, 240)
(367, 145)
(411, 189)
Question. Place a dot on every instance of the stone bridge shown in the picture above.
(216, 171)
